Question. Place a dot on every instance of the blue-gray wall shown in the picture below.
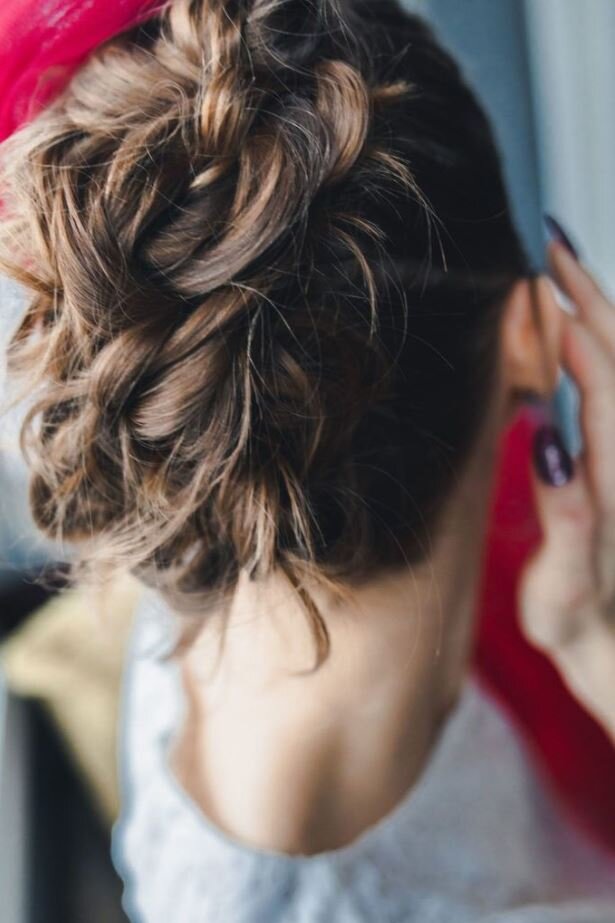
(488, 37)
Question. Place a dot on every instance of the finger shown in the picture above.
(559, 586)
(557, 606)
(587, 668)
(593, 370)
(593, 306)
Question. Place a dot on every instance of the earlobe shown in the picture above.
(530, 338)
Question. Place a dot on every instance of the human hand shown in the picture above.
(567, 591)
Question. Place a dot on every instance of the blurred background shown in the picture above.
(546, 73)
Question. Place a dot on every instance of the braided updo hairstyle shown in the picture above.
(267, 242)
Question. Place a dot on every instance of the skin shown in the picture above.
(296, 762)
(567, 598)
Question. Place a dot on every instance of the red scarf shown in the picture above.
(41, 43)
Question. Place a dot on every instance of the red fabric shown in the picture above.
(41, 44)
(43, 41)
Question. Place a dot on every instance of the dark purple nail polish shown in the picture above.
(556, 231)
(552, 460)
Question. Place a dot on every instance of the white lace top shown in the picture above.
(478, 838)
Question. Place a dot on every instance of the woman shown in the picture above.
(280, 317)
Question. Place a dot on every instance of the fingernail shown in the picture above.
(556, 231)
(552, 460)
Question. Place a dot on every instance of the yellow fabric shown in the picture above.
(70, 657)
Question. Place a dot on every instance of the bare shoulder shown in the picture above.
(298, 765)
(296, 761)
(262, 771)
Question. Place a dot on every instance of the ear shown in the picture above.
(531, 327)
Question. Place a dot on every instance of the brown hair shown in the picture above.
(266, 241)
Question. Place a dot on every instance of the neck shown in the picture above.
(359, 729)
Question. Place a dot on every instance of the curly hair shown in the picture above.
(266, 243)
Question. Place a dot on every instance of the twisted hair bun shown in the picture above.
(263, 238)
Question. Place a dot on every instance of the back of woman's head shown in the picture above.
(267, 242)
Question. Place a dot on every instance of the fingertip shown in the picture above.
(557, 234)
(562, 300)
(552, 461)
